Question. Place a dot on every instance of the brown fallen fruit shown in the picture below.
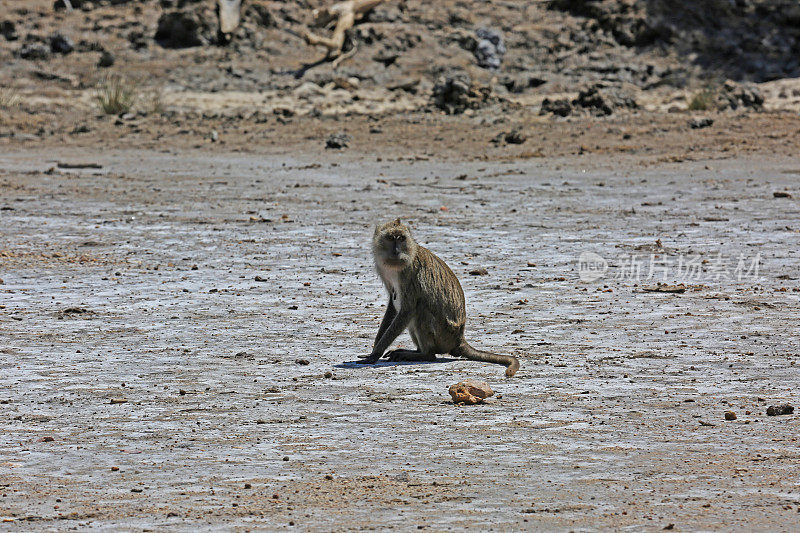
(470, 392)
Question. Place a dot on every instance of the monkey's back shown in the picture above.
(440, 306)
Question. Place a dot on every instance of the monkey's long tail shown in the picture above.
(468, 352)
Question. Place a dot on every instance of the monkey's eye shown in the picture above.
(401, 238)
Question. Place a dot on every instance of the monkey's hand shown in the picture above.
(368, 359)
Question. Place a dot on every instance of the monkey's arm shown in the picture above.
(399, 323)
(387, 320)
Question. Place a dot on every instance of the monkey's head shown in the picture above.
(393, 246)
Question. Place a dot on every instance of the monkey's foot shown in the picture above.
(409, 355)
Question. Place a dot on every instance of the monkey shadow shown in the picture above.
(356, 364)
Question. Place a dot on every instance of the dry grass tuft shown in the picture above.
(702, 100)
(8, 97)
(116, 94)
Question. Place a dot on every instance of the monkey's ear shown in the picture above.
(398, 221)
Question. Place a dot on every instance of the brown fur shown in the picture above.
(425, 297)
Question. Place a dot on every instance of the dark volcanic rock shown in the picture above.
(337, 141)
(106, 59)
(777, 410)
(490, 48)
(561, 107)
(735, 96)
(601, 100)
(756, 40)
(515, 137)
(520, 83)
(61, 44)
(454, 93)
(8, 30)
(185, 28)
(34, 51)
(138, 40)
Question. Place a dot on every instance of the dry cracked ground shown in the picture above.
(175, 330)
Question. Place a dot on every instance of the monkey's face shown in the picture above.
(393, 246)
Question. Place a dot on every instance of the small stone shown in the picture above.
(302, 362)
(700, 122)
(730, 415)
(47, 439)
(214, 136)
(61, 44)
(478, 272)
(115, 469)
(286, 458)
(328, 374)
(777, 410)
(106, 59)
(337, 141)
(118, 400)
(470, 392)
(781, 194)
(248, 486)
(515, 137)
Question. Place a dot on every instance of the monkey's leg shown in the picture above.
(394, 330)
(410, 355)
(388, 316)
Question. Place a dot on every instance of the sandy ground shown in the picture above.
(220, 296)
